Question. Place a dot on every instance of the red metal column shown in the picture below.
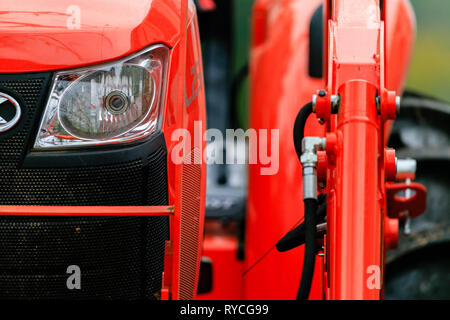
(357, 226)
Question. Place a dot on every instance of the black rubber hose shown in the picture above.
(310, 211)
(309, 260)
(299, 127)
(296, 237)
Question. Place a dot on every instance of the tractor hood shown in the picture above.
(43, 35)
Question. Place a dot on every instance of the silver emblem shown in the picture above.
(11, 106)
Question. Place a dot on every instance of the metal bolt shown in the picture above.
(322, 227)
(398, 102)
(396, 165)
(407, 228)
(314, 102)
(378, 103)
(335, 102)
(406, 166)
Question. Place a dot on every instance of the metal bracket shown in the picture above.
(397, 205)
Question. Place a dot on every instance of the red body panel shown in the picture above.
(280, 86)
(34, 35)
(221, 247)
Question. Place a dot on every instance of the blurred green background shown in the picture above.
(430, 67)
(429, 72)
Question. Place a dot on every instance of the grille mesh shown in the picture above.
(119, 257)
(74, 186)
(190, 225)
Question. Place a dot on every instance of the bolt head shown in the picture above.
(378, 103)
(335, 102)
(398, 102)
(314, 102)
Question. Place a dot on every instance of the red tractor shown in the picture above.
(91, 93)
(103, 152)
(331, 72)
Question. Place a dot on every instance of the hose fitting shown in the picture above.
(309, 160)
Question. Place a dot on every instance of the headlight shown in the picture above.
(119, 102)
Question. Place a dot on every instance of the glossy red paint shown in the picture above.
(358, 73)
(280, 87)
(390, 164)
(221, 247)
(391, 229)
(185, 106)
(52, 211)
(397, 204)
(207, 5)
(35, 35)
(356, 66)
(356, 224)
(400, 31)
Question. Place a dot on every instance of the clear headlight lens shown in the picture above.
(113, 103)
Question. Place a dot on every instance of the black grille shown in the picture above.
(74, 186)
(119, 257)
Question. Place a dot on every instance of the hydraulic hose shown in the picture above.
(309, 260)
(296, 237)
(299, 127)
(310, 211)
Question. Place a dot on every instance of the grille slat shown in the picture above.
(190, 225)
